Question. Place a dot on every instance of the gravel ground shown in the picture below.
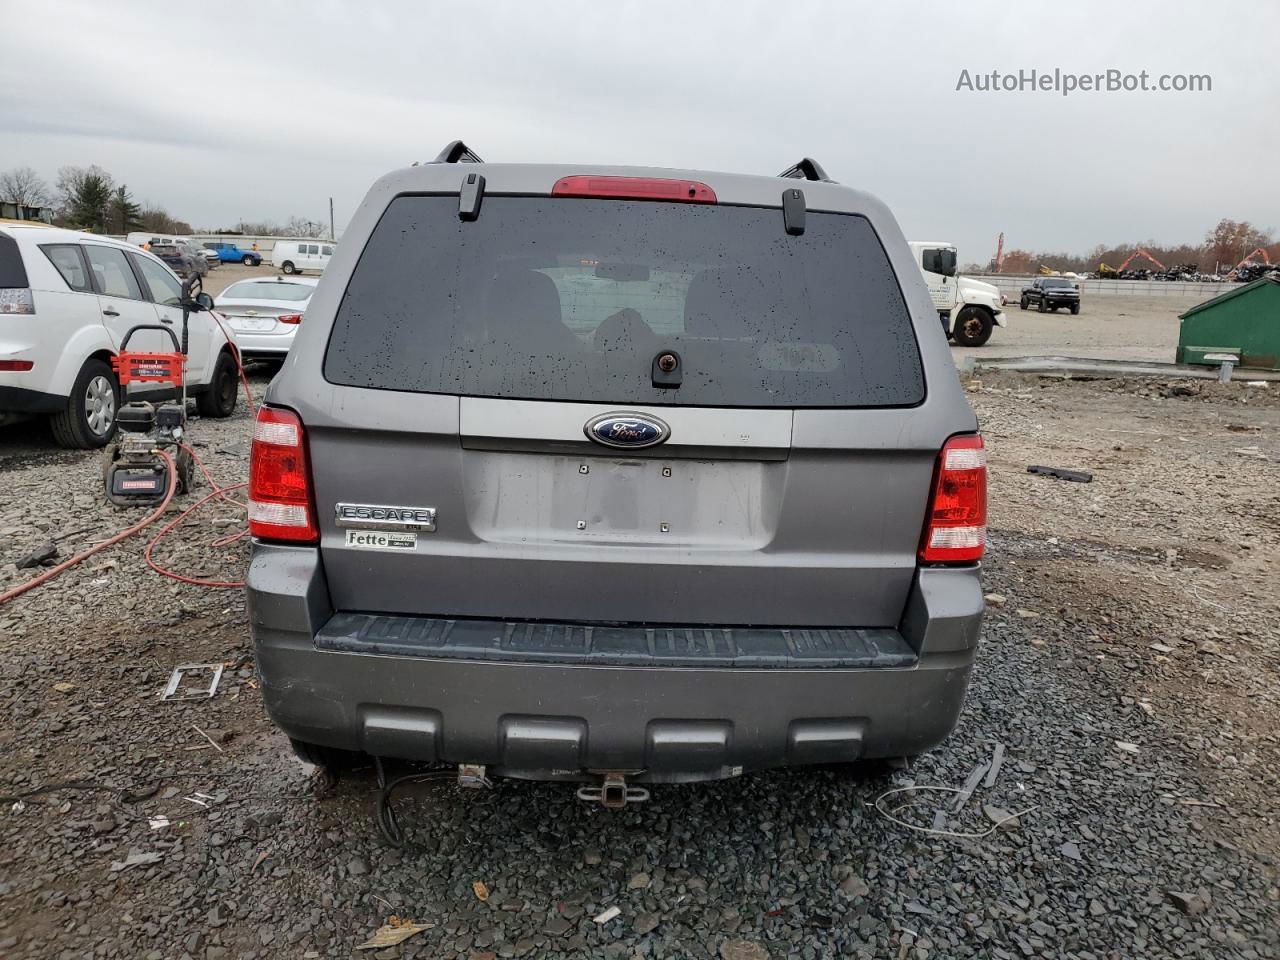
(1128, 672)
(1108, 327)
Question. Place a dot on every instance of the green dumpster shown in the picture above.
(1244, 321)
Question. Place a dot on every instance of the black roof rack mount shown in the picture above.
(806, 169)
(457, 152)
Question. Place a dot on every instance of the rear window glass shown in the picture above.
(267, 290)
(558, 299)
(12, 272)
(66, 258)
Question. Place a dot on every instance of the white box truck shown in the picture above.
(969, 309)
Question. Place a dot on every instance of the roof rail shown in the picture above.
(806, 169)
(457, 152)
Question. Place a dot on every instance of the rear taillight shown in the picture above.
(16, 366)
(16, 300)
(956, 528)
(290, 318)
(635, 188)
(280, 506)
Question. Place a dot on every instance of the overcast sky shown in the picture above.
(262, 110)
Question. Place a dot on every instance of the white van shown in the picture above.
(148, 240)
(295, 256)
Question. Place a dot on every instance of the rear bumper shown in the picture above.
(263, 346)
(24, 400)
(328, 681)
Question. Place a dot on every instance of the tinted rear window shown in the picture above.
(560, 299)
(12, 271)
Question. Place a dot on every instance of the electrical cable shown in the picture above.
(891, 815)
(385, 814)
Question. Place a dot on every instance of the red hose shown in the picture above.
(52, 572)
(235, 355)
(182, 578)
(218, 491)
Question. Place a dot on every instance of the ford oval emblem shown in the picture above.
(630, 430)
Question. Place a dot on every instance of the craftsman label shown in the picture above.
(381, 540)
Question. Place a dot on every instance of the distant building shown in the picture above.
(21, 211)
(1244, 321)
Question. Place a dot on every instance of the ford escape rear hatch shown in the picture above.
(744, 369)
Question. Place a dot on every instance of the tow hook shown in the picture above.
(613, 792)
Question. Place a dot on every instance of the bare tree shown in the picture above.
(1231, 241)
(301, 227)
(24, 186)
(155, 218)
(256, 228)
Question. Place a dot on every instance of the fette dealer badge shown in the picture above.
(381, 540)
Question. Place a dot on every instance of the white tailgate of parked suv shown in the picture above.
(67, 301)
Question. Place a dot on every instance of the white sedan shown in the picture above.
(265, 313)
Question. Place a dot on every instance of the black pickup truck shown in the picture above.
(1050, 293)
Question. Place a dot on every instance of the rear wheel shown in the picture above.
(220, 400)
(88, 420)
(247, 260)
(973, 327)
(288, 267)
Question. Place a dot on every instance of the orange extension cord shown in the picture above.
(218, 491)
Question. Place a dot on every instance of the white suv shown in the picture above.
(67, 300)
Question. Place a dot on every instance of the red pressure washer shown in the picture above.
(133, 471)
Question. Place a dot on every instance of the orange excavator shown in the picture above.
(1249, 259)
(1107, 271)
(1142, 253)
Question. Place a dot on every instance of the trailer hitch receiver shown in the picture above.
(613, 792)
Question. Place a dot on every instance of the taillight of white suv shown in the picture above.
(16, 300)
(280, 500)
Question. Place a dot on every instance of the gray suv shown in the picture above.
(616, 475)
